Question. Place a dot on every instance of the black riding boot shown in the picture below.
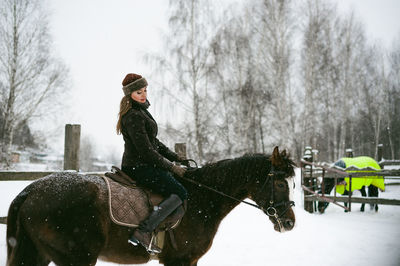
(144, 232)
(173, 219)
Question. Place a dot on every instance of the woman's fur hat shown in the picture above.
(133, 82)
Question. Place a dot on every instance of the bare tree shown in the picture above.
(372, 104)
(185, 62)
(237, 80)
(274, 32)
(30, 77)
(340, 79)
(349, 41)
(241, 99)
(393, 96)
(318, 76)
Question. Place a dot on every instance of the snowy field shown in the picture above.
(246, 236)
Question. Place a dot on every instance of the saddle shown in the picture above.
(130, 204)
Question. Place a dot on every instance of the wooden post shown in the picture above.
(350, 191)
(315, 153)
(307, 181)
(180, 149)
(71, 147)
(380, 152)
(313, 180)
(323, 182)
(349, 153)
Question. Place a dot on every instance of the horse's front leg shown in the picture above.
(364, 194)
(373, 192)
(345, 204)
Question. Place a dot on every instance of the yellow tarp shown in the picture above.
(357, 183)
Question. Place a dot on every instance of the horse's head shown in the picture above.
(329, 184)
(273, 191)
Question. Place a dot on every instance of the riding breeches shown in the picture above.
(158, 180)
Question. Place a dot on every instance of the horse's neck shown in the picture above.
(232, 181)
(213, 207)
(228, 180)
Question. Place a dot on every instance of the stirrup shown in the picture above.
(149, 248)
(135, 242)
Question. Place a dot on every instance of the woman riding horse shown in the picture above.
(65, 217)
(146, 159)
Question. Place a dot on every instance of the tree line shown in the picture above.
(277, 72)
(245, 77)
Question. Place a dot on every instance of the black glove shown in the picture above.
(179, 171)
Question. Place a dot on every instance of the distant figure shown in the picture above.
(146, 159)
(359, 183)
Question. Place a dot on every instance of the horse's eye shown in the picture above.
(281, 185)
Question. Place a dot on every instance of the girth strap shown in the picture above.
(173, 240)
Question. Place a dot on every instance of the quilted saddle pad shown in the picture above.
(127, 206)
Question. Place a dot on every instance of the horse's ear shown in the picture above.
(283, 153)
(275, 157)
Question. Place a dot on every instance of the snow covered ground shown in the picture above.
(246, 236)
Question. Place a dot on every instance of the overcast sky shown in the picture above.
(102, 40)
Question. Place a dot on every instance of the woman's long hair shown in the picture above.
(124, 107)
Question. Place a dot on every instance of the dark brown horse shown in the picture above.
(64, 217)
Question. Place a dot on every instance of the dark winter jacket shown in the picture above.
(139, 130)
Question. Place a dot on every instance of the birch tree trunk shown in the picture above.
(274, 34)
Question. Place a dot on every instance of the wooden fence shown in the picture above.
(71, 160)
(312, 181)
(71, 157)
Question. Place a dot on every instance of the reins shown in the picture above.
(186, 162)
(221, 193)
(270, 211)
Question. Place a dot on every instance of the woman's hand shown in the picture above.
(179, 171)
(182, 160)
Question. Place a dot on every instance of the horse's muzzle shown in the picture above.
(282, 224)
(288, 224)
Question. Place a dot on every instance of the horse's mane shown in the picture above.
(240, 170)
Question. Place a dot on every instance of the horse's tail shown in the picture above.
(15, 233)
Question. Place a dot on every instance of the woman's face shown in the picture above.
(140, 95)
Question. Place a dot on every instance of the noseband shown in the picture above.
(271, 209)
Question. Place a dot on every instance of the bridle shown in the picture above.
(271, 209)
(272, 205)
